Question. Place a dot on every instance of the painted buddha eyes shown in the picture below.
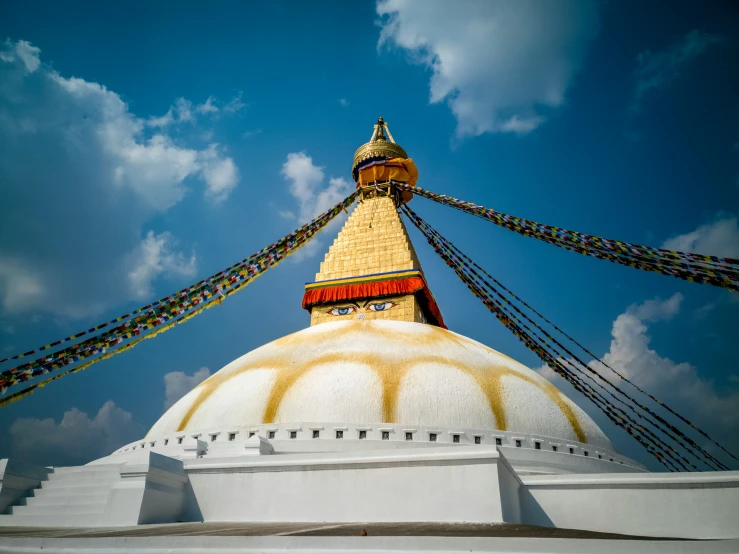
(369, 306)
(344, 310)
(381, 306)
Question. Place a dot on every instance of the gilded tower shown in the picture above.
(371, 271)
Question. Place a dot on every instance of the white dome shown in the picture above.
(368, 372)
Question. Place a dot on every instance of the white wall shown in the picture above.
(430, 484)
(689, 505)
(16, 479)
(529, 460)
(151, 492)
(229, 442)
(510, 486)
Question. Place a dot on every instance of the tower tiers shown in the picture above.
(371, 271)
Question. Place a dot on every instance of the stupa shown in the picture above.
(378, 413)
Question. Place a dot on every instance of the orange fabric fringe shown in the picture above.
(393, 287)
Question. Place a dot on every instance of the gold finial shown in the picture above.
(379, 146)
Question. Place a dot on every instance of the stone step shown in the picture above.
(52, 520)
(76, 509)
(84, 469)
(65, 491)
(83, 476)
(65, 484)
(61, 500)
(60, 469)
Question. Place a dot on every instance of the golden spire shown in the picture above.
(371, 271)
(381, 146)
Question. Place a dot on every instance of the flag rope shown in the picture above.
(663, 426)
(546, 357)
(465, 269)
(699, 268)
(603, 363)
(165, 313)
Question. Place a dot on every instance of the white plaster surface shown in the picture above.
(350, 545)
(526, 458)
(344, 364)
(453, 396)
(16, 479)
(150, 492)
(509, 487)
(357, 385)
(441, 484)
(258, 446)
(462, 484)
(253, 391)
(530, 410)
(690, 505)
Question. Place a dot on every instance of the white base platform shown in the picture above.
(437, 545)
(255, 482)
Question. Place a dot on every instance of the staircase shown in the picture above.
(71, 497)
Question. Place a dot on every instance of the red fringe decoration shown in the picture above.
(394, 287)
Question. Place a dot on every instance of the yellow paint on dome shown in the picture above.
(389, 368)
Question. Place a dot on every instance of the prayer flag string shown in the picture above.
(165, 313)
(603, 363)
(643, 258)
(640, 410)
(554, 357)
(541, 352)
(698, 268)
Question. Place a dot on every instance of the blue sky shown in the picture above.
(147, 145)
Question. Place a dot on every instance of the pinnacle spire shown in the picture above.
(371, 271)
(381, 146)
(379, 132)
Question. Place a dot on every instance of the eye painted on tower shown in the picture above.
(343, 310)
(381, 306)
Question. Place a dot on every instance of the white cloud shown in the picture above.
(221, 174)
(656, 310)
(76, 439)
(235, 104)
(19, 285)
(704, 311)
(162, 120)
(344, 102)
(501, 66)
(85, 174)
(155, 168)
(306, 186)
(304, 179)
(252, 133)
(312, 196)
(338, 188)
(521, 126)
(177, 384)
(674, 381)
(181, 112)
(208, 107)
(23, 51)
(657, 70)
(679, 384)
(156, 256)
(719, 238)
(184, 110)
